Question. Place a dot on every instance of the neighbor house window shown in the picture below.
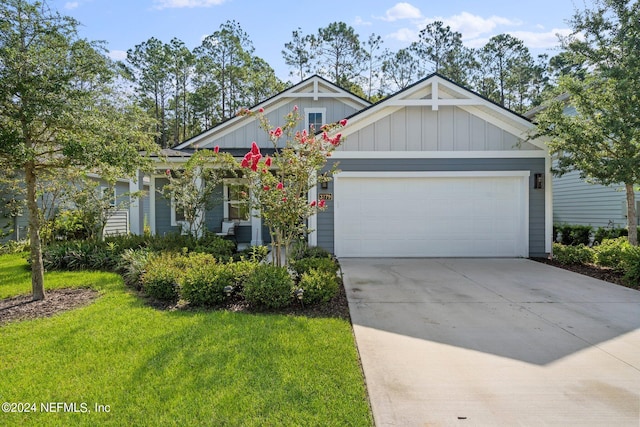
(236, 200)
(315, 118)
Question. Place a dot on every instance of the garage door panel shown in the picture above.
(431, 216)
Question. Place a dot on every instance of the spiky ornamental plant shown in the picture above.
(281, 183)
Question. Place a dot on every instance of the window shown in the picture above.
(314, 118)
(106, 192)
(177, 214)
(236, 200)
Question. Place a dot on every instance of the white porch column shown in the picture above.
(152, 204)
(199, 212)
(256, 224)
(313, 219)
(136, 207)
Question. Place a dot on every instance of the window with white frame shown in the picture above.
(177, 214)
(314, 118)
(236, 200)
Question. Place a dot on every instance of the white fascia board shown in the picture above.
(437, 154)
(433, 174)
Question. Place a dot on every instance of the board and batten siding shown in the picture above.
(325, 224)
(578, 202)
(250, 131)
(424, 129)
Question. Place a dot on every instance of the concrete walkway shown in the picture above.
(494, 342)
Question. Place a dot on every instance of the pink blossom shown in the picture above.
(284, 199)
(266, 188)
(322, 204)
(244, 163)
(261, 110)
(268, 161)
(295, 108)
(343, 122)
(254, 148)
(325, 136)
(167, 172)
(313, 203)
(264, 171)
(278, 132)
(280, 186)
(216, 149)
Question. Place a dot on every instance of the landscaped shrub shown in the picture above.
(79, 255)
(302, 250)
(268, 286)
(215, 245)
(318, 286)
(203, 284)
(161, 278)
(132, 265)
(241, 270)
(253, 253)
(13, 247)
(573, 235)
(631, 266)
(609, 252)
(566, 254)
(608, 233)
(304, 265)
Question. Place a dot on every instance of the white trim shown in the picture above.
(433, 174)
(136, 206)
(225, 191)
(152, 204)
(437, 154)
(313, 219)
(548, 207)
(523, 175)
(174, 221)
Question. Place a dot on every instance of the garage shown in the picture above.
(431, 214)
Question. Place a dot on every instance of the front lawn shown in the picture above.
(152, 367)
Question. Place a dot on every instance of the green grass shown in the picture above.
(175, 368)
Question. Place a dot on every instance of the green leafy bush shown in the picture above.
(14, 247)
(161, 278)
(268, 286)
(80, 255)
(302, 250)
(132, 265)
(631, 266)
(608, 233)
(566, 254)
(573, 235)
(242, 270)
(253, 253)
(305, 265)
(318, 286)
(203, 284)
(609, 252)
(215, 245)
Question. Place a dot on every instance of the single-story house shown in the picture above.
(578, 202)
(434, 170)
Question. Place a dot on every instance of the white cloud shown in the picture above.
(473, 26)
(404, 35)
(177, 4)
(402, 11)
(544, 40)
(361, 22)
(71, 5)
(118, 55)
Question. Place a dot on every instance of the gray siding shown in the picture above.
(536, 197)
(578, 202)
(163, 210)
(423, 129)
(250, 130)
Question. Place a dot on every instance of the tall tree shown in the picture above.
(57, 108)
(340, 56)
(442, 48)
(374, 63)
(181, 66)
(400, 69)
(149, 67)
(500, 59)
(298, 54)
(602, 140)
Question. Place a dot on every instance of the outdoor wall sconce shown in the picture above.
(324, 185)
(538, 181)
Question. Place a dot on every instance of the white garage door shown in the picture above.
(431, 214)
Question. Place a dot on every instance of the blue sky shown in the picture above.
(123, 24)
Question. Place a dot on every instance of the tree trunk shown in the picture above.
(632, 222)
(37, 267)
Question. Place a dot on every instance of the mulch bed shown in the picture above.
(56, 301)
(591, 270)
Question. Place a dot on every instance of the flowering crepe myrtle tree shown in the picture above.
(192, 188)
(280, 184)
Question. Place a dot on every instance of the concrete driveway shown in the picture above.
(496, 342)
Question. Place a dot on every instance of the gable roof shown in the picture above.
(314, 87)
(435, 91)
